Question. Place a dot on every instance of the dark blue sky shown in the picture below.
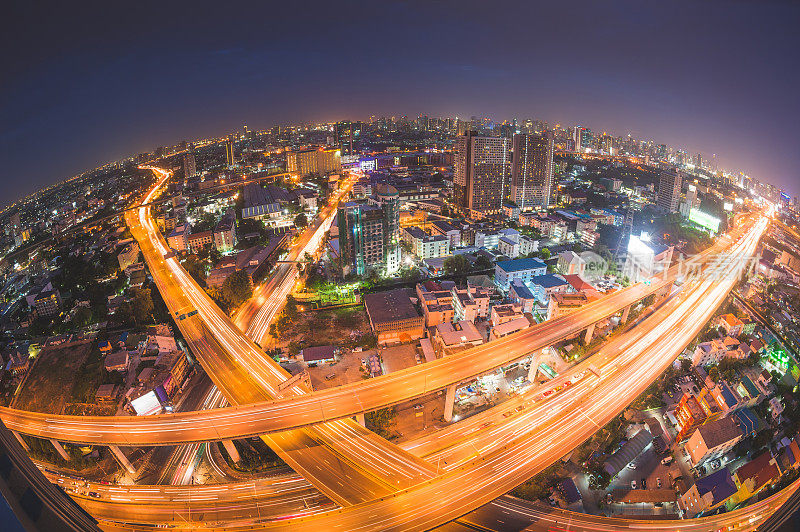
(83, 84)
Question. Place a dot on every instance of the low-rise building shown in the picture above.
(225, 232)
(198, 241)
(755, 475)
(393, 317)
(470, 303)
(48, 302)
(520, 269)
(178, 238)
(570, 262)
(731, 324)
(522, 296)
(713, 439)
(690, 415)
(118, 361)
(319, 354)
(451, 337)
(503, 313)
(426, 246)
(128, 256)
(707, 493)
(505, 328)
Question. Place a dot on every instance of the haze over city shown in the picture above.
(91, 83)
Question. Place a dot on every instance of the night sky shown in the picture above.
(85, 84)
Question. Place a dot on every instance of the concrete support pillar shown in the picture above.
(22, 441)
(589, 334)
(361, 419)
(60, 449)
(625, 314)
(534, 367)
(122, 459)
(232, 451)
(449, 401)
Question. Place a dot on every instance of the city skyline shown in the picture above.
(672, 77)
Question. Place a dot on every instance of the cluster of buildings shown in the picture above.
(159, 365)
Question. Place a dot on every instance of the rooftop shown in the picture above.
(391, 305)
(521, 264)
(720, 431)
(719, 484)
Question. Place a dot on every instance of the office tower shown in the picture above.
(346, 133)
(229, 151)
(669, 190)
(189, 168)
(698, 160)
(532, 171)
(582, 138)
(480, 174)
(369, 233)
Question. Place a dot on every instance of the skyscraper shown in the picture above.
(480, 173)
(189, 168)
(347, 133)
(369, 233)
(229, 151)
(532, 171)
(669, 190)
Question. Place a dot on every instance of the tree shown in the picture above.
(544, 253)
(237, 288)
(713, 373)
(82, 316)
(195, 267)
(290, 310)
(686, 365)
(456, 265)
(482, 263)
(301, 220)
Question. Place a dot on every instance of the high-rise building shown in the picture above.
(313, 161)
(669, 190)
(532, 171)
(369, 233)
(346, 133)
(189, 168)
(480, 173)
(229, 151)
(582, 138)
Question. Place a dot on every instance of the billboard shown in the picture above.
(704, 220)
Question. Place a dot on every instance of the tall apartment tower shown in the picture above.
(229, 151)
(369, 233)
(669, 190)
(480, 174)
(532, 171)
(189, 164)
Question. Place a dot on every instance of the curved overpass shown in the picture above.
(537, 437)
(325, 405)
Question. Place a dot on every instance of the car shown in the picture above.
(633, 484)
(508, 414)
(632, 465)
(418, 406)
(667, 461)
(644, 483)
(716, 463)
(658, 482)
(330, 376)
(94, 494)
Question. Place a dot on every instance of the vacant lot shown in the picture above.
(347, 326)
(52, 377)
